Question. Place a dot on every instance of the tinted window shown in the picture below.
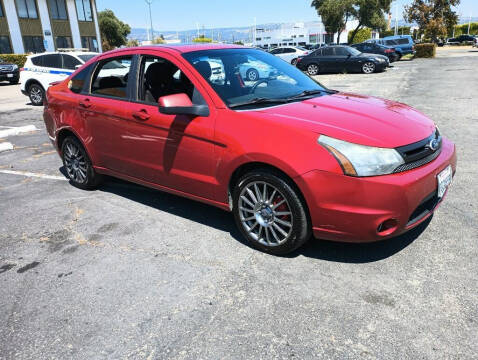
(341, 51)
(392, 42)
(77, 83)
(111, 77)
(328, 51)
(276, 51)
(402, 41)
(33, 44)
(37, 60)
(5, 47)
(85, 58)
(52, 61)
(288, 51)
(26, 9)
(57, 9)
(69, 62)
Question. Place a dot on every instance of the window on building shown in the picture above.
(1, 10)
(26, 9)
(70, 62)
(5, 46)
(33, 44)
(57, 9)
(63, 42)
(90, 43)
(83, 9)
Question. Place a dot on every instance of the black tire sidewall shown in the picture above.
(92, 178)
(300, 223)
(42, 94)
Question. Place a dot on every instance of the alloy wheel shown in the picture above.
(312, 69)
(36, 94)
(368, 68)
(75, 163)
(265, 214)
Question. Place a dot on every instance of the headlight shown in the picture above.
(361, 160)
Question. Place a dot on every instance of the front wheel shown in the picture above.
(368, 68)
(36, 94)
(269, 212)
(252, 75)
(78, 165)
(312, 69)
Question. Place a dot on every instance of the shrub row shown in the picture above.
(18, 59)
(426, 50)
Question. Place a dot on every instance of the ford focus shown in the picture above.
(288, 157)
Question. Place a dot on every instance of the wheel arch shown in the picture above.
(30, 82)
(63, 133)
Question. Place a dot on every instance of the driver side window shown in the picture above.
(160, 77)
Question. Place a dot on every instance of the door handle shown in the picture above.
(85, 103)
(141, 115)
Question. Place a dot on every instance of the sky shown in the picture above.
(169, 15)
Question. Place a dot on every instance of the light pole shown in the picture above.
(149, 2)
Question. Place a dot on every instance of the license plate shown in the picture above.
(9, 75)
(444, 180)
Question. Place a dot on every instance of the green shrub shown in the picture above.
(426, 50)
(362, 35)
(18, 59)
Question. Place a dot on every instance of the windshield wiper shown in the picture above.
(259, 101)
(307, 93)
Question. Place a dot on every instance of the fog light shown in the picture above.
(387, 227)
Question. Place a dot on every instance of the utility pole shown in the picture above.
(149, 2)
(396, 19)
(255, 31)
(469, 24)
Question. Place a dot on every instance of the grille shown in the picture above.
(426, 206)
(5, 68)
(419, 153)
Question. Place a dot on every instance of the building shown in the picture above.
(33, 26)
(300, 34)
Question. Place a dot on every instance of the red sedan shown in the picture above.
(287, 156)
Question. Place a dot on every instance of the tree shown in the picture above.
(435, 18)
(113, 31)
(370, 13)
(202, 39)
(334, 14)
(132, 43)
(158, 40)
(362, 35)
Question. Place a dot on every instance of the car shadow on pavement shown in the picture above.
(224, 221)
(360, 252)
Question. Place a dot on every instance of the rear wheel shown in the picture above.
(36, 94)
(312, 69)
(368, 67)
(269, 212)
(252, 75)
(294, 62)
(78, 165)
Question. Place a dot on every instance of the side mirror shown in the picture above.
(349, 55)
(180, 104)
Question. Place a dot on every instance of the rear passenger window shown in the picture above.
(111, 77)
(52, 61)
(77, 83)
(402, 41)
(37, 60)
(390, 42)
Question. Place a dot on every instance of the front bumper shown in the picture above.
(10, 76)
(352, 209)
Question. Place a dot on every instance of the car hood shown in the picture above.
(355, 118)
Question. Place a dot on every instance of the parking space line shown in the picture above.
(17, 130)
(30, 174)
(4, 146)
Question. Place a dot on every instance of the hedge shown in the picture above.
(426, 50)
(362, 35)
(18, 59)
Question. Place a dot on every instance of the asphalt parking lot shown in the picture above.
(129, 272)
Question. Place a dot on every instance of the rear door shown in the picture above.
(328, 60)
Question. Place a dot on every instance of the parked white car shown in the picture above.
(290, 53)
(41, 70)
(255, 70)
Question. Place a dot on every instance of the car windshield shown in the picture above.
(248, 77)
(85, 58)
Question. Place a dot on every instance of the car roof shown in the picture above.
(74, 53)
(180, 48)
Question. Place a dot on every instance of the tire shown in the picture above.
(312, 69)
(368, 67)
(36, 93)
(78, 165)
(294, 62)
(399, 57)
(277, 223)
(252, 75)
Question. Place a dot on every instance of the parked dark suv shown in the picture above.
(9, 72)
(462, 39)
